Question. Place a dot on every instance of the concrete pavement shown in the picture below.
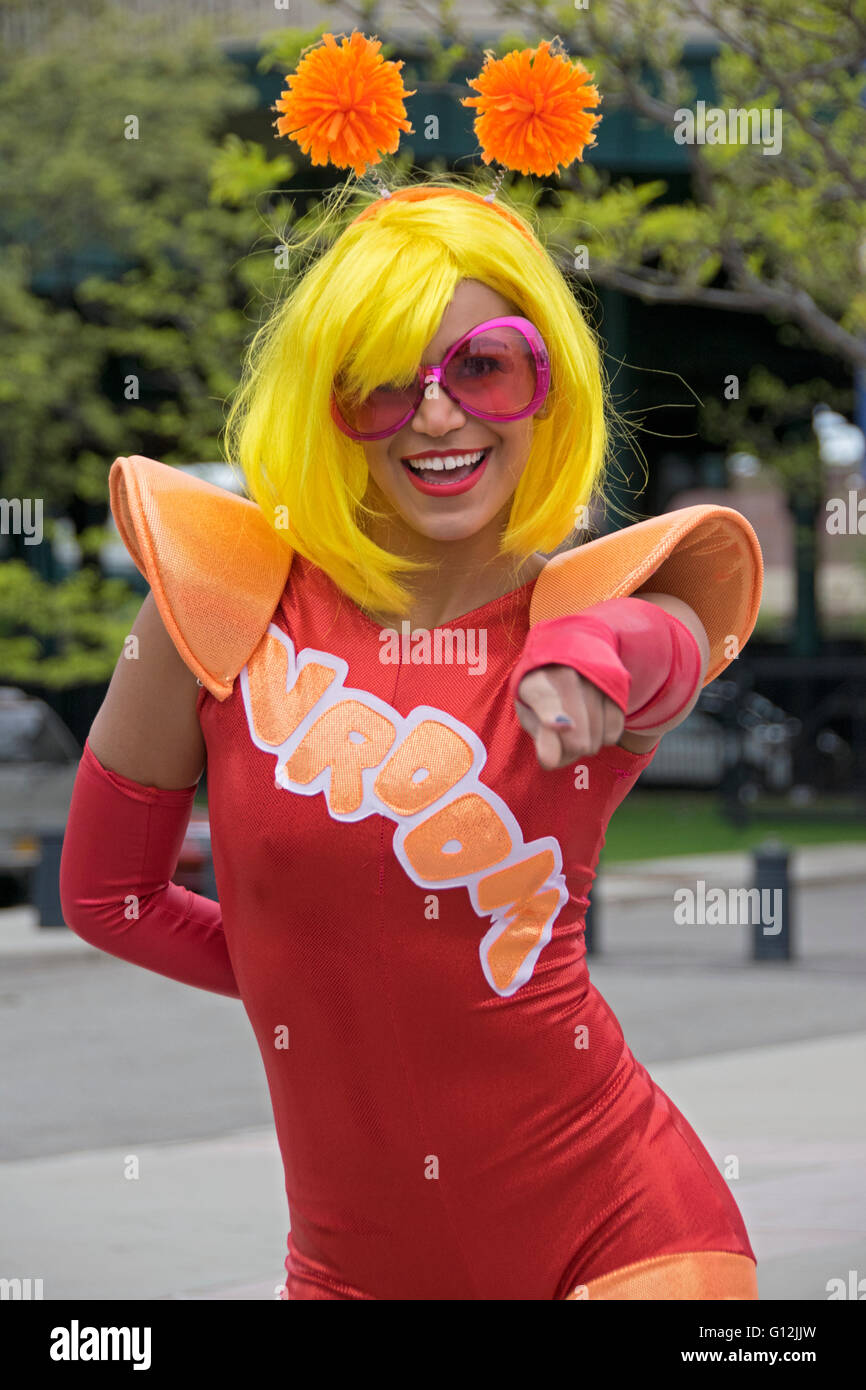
(634, 881)
(207, 1219)
(140, 1161)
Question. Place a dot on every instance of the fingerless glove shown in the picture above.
(645, 660)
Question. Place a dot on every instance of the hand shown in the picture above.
(551, 691)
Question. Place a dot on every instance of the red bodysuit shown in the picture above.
(458, 1118)
(403, 889)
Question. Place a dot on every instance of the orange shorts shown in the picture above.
(704, 1274)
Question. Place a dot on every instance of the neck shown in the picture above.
(466, 573)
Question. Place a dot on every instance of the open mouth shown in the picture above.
(446, 471)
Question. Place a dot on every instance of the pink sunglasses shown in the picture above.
(499, 370)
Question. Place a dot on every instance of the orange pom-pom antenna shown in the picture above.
(533, 110)
(344, 105)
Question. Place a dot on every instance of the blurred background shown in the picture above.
(145, 201)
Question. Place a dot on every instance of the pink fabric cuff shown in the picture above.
(641, 657)
(579, 641)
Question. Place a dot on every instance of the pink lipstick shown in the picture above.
(449, 489)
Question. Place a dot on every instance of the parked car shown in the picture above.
(38, 761)
(727, 728)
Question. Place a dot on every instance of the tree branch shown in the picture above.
(793, 304)
(776, 79)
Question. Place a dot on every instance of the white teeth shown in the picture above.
(446, 461)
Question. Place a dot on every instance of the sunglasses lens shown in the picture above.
(383, 409)
(494, 372)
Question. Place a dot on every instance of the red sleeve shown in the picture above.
(120, 849)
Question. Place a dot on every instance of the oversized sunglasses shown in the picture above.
(499, 370)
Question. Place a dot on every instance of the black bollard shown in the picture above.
(208, 880)
(591, 924)
(45, 880)
(771, 877)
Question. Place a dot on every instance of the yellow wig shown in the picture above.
(366, 310)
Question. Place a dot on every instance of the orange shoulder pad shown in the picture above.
(216, 568)
(707, 555)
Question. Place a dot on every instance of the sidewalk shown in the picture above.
(207, 1219)
(766, 1061)
(654, 879)
(644, 880)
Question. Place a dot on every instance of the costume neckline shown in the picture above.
(511, 596)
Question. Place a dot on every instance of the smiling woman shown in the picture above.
(472, 424)
(387, 304)
(404, 848)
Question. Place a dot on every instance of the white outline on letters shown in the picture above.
(370, 804)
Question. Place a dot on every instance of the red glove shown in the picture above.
(124, 839)
(644, 659)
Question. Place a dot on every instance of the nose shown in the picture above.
(437, 414)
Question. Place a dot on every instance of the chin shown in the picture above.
(458, 527)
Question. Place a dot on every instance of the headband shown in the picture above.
(344, 106)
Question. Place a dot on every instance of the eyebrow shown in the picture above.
(460, 338)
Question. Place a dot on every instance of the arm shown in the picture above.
(618, 666)
(642, 742)
(130, 807)
(147, 727)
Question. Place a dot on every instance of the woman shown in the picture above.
(404, 838)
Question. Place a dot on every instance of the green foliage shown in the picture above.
(283, 48)
(129, 283)
(58, 635)
(443, 58)
(134, 269)
(241, 171)
(772, 421)
(782, 234)
(786, 228)
(125, 281)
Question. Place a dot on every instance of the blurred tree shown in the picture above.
(130, 262)
(60, 635)
(775, 223)
(781, 232)
(129, 258)
(771, 421)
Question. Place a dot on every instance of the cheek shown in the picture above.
(517, 447)
(375, 464)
